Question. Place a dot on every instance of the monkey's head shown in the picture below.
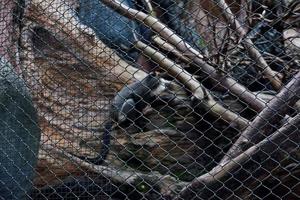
(153, 84)
(151, 80)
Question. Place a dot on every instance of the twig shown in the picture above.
(273, 112)
(272, 76)
(167, 34)
(149, 7)
(198, 90)
(221, 176)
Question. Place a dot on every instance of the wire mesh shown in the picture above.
(149, 99)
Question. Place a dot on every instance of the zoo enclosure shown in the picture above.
(226, 126)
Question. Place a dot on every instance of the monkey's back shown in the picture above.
(133, 97)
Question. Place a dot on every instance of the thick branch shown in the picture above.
(224, 179)
(272, 76)
(167, 34)
(275, 110)
(167, 184)
(198, 90)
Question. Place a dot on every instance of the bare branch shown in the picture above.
(198, 90)
(195, 56)
(170, 48)
(272, 76)
(275, 110)
(149, 7)
(167, 184)
(153, 23)
(229, 177)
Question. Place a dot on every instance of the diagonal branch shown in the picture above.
(224, 179)
(275, 110)
(273, 76)
(167, 184)
(198, 90)
(196, 57)
(170, 48)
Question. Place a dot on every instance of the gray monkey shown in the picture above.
(132, 99)
(127, 107)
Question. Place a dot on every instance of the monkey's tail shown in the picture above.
(105, 146)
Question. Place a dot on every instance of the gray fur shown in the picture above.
(126, 107)
(129, 102)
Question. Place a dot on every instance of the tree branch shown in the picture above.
(195, 56)
(168, 185)
(234, 175)
(275, 110)
(198, 90)
(273, 76)
(170, 48)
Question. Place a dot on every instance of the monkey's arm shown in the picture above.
(123, 113)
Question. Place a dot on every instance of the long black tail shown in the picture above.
(105, 146)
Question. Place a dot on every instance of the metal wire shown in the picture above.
(141, 99)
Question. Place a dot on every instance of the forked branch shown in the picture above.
(229, 177)
(275, 110)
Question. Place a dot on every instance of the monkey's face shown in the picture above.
(160, 88)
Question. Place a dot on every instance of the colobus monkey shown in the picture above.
(132, 99)
(127, 107)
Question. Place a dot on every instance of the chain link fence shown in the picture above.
(149, 99)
